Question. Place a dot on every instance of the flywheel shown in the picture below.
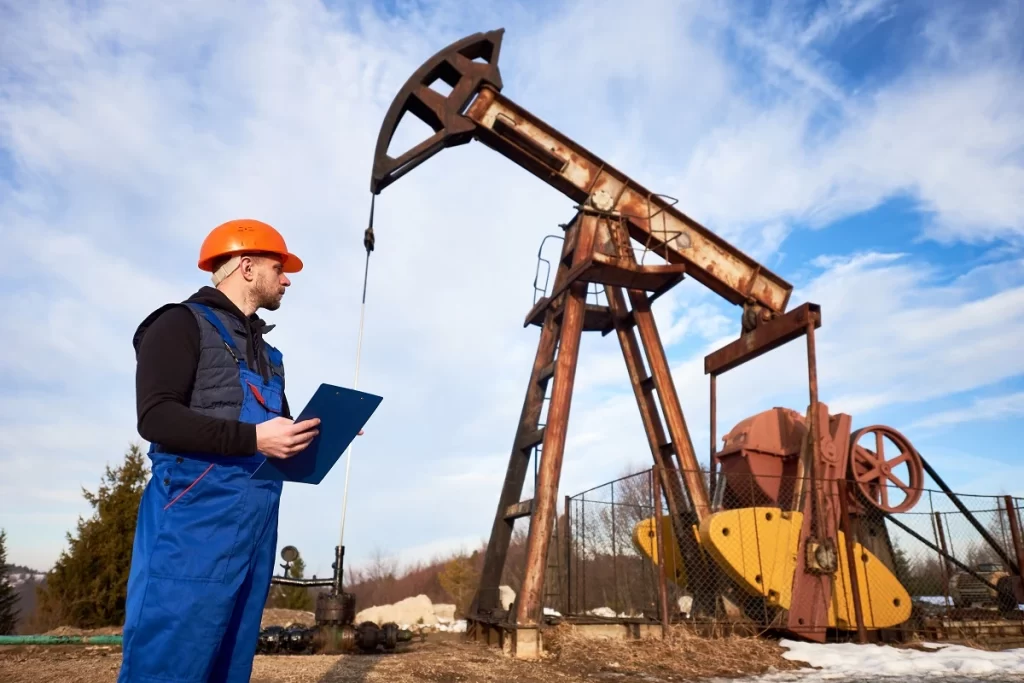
(891, 482)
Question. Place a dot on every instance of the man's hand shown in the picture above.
(283, 438)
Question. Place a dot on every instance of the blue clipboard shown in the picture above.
(342, 412)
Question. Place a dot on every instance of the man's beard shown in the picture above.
(268, 295)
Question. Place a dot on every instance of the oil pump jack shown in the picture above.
(817, 574)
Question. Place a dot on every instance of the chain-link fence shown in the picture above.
(772, 552)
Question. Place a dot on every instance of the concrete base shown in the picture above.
(527, 642)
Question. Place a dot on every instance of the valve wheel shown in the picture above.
(877, 477)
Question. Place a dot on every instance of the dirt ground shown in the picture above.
(441, 658)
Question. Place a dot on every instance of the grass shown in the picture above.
(682, 654)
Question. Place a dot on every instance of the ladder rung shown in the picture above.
(521, 509)
(527, 441)
(546, 372)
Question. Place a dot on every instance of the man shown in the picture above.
(210, 400)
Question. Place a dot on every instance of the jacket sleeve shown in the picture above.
(167, 359)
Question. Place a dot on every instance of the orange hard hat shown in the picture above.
(245, 235)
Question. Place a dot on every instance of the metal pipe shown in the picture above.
(712, 465)
(659, 537)
(308, 583)
(339, 564)
(60, 640)
(1015, 536)
(844, 522)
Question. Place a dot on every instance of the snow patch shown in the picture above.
(506, 596)
(16, 579)
(444, 612)
(417, 610)
(854, 662)
(609, 613)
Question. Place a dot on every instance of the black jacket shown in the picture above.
(167, 354)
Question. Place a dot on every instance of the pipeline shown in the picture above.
(60, 640)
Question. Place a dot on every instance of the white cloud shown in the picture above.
(132, 134)
(980, 409)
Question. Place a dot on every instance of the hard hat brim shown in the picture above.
(289, 262)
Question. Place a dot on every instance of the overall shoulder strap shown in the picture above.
(218, 325)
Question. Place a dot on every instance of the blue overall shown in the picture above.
(203, 553)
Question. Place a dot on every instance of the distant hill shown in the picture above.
(19, 574)
(25, 581)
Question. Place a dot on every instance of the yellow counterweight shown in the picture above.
(757, 548)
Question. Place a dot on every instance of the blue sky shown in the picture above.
(870, 152)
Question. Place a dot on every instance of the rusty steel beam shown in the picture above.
(470, 67)
(643, 388)
(488, 592)
(670, 406)
(528, 610)
(845, 490)
(580, 174)
(762, 339)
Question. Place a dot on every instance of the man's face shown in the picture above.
(268, 283)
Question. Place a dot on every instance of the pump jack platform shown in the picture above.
(613, 210)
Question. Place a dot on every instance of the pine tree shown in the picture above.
(459, 579)
(88, 585)
(292, 597)
(901, 563)
(8, 598)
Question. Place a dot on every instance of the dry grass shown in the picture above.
(72, 631)
(681, 655)
(449, 658)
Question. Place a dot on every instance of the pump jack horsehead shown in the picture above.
(768, 552)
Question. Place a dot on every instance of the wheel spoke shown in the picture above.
(884, 491)
(868, 455)
(870, 475)
(900, 459)
(879, 446)
(896, 480)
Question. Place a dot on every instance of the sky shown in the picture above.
(870, 152)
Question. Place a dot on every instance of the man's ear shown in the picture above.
(247, 267)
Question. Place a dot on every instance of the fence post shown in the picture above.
(1018, 547)
(615, 557)
(940, 538)
(568, 559)
(659, 536)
